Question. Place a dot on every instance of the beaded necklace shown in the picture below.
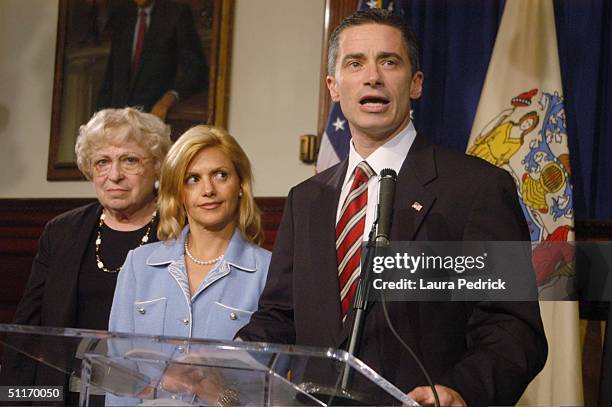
(99, 261)
(198, 261)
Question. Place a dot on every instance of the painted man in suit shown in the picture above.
(151, 41)
(477, 353)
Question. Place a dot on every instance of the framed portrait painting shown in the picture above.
(88, 31)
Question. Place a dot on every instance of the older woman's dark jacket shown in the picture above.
(50, 296)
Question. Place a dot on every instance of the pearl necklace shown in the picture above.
(198, 261)
(99, 261)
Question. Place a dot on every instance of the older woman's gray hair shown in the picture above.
(144, 128)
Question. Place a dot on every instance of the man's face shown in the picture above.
(373, 81)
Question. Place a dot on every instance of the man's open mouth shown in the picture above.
(373, 101)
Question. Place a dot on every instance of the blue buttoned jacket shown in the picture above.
(152, 295)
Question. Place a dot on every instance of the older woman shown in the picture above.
(81, 251)
(205, 279)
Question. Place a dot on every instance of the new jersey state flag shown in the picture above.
(520, 127)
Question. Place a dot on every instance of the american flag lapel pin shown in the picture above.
(417, 206)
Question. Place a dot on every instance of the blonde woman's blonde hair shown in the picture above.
(111, 126)
(172, 215)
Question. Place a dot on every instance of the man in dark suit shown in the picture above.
(145, 72)
(477, 353)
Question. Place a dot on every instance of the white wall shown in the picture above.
(27, 52)
(275, 86)
(273, 96)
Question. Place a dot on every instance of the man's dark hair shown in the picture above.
(373, 16)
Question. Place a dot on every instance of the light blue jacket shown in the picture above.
(152, 295)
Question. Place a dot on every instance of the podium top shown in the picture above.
(138, 366)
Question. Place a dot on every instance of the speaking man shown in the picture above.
(477, 353)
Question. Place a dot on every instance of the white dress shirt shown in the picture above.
(390, 155)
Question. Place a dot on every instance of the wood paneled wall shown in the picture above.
(22, 222)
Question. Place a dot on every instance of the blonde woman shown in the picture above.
(204, 280)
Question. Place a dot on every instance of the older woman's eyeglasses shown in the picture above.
(128, 164)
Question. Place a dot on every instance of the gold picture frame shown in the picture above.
(82, 51)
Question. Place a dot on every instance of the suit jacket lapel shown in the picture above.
(412, 200)
(124, 53)
(74, 251)
(155, 25)
(322, 221)
(411, 204)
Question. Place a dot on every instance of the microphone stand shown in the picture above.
(360, 302)
(377, 240)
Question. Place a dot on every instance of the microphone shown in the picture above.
(386, 195)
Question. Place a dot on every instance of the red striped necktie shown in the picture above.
(349, 235)
(142, 30)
